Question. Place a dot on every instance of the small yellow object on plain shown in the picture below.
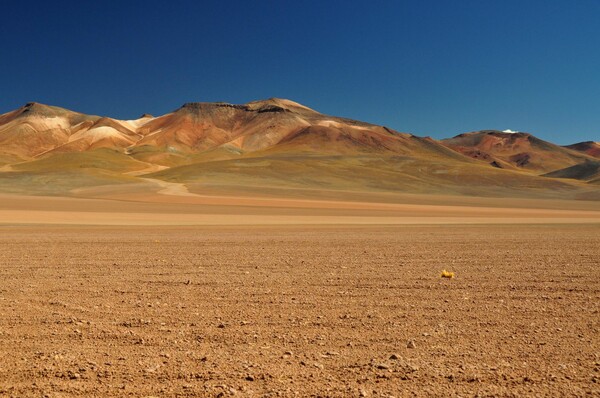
(447, 274)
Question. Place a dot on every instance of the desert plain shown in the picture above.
(268, 250)
(193, 296)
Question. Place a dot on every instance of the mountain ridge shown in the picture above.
(278, 141)
(268, 105)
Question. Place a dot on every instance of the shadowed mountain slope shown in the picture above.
(586, 171)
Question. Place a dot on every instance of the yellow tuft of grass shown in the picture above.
(447, 274)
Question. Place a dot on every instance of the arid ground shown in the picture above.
(312, 305)
(266, 249)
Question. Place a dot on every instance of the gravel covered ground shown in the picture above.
(300, 311)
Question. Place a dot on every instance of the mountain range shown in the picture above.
(278, 147)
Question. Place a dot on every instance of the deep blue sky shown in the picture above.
(434, 68)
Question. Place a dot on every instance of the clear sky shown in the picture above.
(436, 68)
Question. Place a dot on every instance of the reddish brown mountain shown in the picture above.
(514, 150)
(590, 148)
(275, 124)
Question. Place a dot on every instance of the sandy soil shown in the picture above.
(231, 210)
(299, 311)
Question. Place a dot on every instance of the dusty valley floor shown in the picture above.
(299, 310)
